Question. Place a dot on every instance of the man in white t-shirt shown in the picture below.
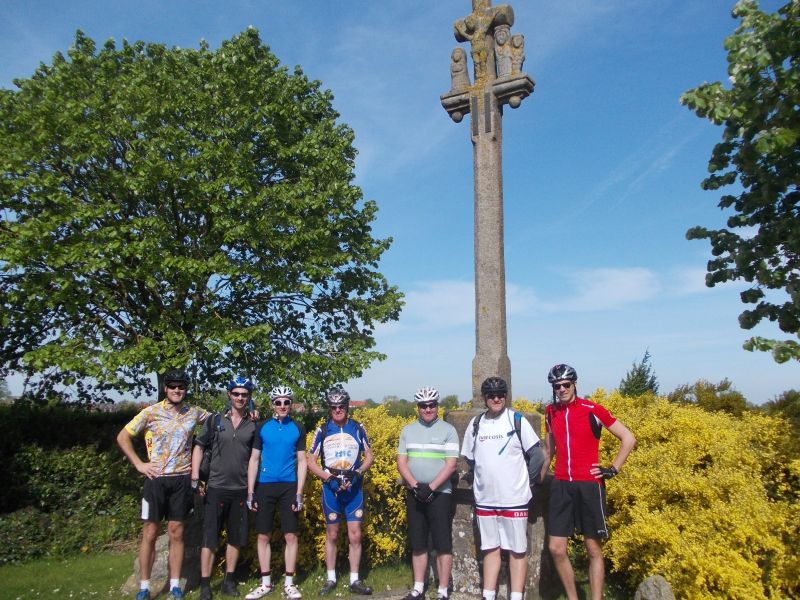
(507, 459)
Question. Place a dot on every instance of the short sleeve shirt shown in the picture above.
(169, 433)
(576, 430)
(501, 473)
(341, 446)
(230, 451)
(279, 441)
(427, 446)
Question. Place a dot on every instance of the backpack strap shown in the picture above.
(475, 424)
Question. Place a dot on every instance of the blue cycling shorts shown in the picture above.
(349, 503)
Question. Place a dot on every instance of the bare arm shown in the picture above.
(405, 472)
(252, 470)
(315, 468)
(627, 443)
(197, 458)
(302, 468)
(125, 442)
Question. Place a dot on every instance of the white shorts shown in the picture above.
(506, 528)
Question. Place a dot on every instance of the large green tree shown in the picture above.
(759, 156)
(182, 207)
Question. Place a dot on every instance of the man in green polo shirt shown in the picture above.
(426, 458)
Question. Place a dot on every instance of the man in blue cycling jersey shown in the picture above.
(339, 445)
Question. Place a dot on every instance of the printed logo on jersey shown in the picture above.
(341, 451)
(496, 436)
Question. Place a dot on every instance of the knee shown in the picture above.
(175, 532)
(291, 539)
(149, 534)
(594, 551)
(355, 536)
(332, 535)
(558, 550)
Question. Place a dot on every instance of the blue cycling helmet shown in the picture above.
(241, 382)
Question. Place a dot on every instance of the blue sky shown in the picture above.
(602, 171)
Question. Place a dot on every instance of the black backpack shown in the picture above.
(205, 464)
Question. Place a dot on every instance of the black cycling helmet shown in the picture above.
(494, 385)
(561, 372)
(337, 396)
(176, 376)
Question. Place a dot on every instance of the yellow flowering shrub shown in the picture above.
(384, 526)
(707, 500)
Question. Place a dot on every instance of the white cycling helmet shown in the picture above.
(426, 394)
(281, 391)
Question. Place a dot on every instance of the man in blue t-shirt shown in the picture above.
(278, 463)
(339, 445)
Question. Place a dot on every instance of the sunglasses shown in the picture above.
(338, 408)
(286, 402)
(566, 385)
(495, 396)
(239, 394)
(176, 386)
(428, 405)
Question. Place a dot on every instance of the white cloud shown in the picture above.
(607, 289)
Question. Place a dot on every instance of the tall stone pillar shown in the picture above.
(497, 59)
(498, 80)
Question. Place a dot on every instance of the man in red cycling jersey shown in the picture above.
(578, 495)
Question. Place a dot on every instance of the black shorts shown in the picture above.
(276, 495)
(434, 518)
(169, 497)
(225, 507)
(577, 506)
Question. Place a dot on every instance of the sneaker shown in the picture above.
(175, 593)
(291, 592)
(359, 587)
(228, 587)
(261, 591)
(413, 595)
(205, 593)
(326, 589)
(143, 595)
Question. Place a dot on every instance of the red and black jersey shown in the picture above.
(576, 429)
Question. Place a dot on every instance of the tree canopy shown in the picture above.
(640, 379)
(760, 155)
(168, 207)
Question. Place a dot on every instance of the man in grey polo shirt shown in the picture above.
(426, 458)
(231, 438)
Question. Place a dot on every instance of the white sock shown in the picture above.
(174, 583)
(353, 578)
(332, 575)
(144, 584)
(289, 580)
(266, 579)
(489, 594)
(516, 596)
(443, 592)
(419, 586)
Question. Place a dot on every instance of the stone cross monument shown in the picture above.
(497, 58)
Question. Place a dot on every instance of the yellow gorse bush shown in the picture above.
(706, 499)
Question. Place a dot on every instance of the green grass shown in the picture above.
(101, 576)
(78, 577)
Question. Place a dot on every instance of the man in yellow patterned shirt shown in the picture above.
(169, 425)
